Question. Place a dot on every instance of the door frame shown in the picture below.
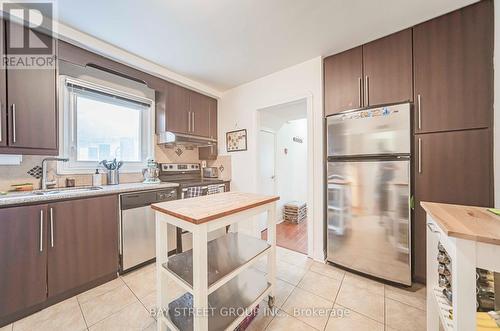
(259, 156)
(314, 224)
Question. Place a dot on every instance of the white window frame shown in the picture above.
(67, 129)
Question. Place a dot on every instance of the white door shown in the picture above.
(267, 155)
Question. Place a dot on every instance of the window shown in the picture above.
(103, 124)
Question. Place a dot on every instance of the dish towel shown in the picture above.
(192, 192)
(213, 189)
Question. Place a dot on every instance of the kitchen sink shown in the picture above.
(67, 190)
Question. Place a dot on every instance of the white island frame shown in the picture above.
(199, 287)
(471, 237)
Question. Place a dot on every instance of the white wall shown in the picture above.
(291, 168)
(238, 109)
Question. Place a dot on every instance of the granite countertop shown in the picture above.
(25, 198)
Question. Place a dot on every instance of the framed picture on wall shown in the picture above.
(236, 140)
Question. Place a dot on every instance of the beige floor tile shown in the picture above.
(132, 318)
(327, 270)
(295, 258)
(142, 282)
(364, 283)
(318, 284)
(173, 292)
(361, 301)
(6, 328)
(107, 304)
(63, 316)
(350, 320)
(308, 308)
(262, 320)
(414, 296)
(404, 317)
(96, 291)
(289, 273)
(285, 322)
(283, 290)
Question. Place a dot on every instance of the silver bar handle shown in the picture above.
(419, 155)
(192, 114)
(51, 227)
(360, 83)
(14, 123)
(41, 230)
(367, 91)
(189, 121)
(419, 109)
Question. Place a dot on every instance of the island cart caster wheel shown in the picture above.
(271, 301)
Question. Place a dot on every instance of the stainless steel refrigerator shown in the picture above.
(368, 191)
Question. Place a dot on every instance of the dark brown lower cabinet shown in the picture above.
(23, 258)
(450, 167)
(83, 242)
(53, 251)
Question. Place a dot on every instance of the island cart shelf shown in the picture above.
(460, 239)
(220, 283)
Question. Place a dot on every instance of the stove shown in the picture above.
(185, 174)
(188, 175)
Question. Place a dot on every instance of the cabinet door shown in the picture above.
(200, 114)
(387, 66)
(343, 81)
(451, 167)
(31, 96)
(177, 108)
(3, 91)
(453, 57)
(211, 152)
(23, 258)
(213, 118)
(83, 242)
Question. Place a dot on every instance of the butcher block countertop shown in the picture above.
(465, 222)
(211, 207)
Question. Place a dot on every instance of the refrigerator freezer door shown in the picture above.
(368, 217)
(376, 131)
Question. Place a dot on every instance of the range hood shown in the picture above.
(171, 138)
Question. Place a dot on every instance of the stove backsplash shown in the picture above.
(16, 174)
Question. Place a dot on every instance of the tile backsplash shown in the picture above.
(26, 171)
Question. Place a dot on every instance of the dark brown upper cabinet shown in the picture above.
(210, 152)
(82, 242)
(23, 258)
(177, 111)
(28, 106)
(343, 77)
(453, 58)
(377, 73)
(387, 69)
(200, 114)
(213, 118)
(183, 111)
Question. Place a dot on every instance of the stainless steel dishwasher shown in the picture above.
(137, 226)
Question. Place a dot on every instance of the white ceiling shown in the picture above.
(225, 43)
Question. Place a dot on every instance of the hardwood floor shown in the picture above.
(290, 235)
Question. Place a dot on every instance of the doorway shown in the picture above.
(283, 171)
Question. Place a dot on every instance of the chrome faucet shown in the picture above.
(44, 182)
